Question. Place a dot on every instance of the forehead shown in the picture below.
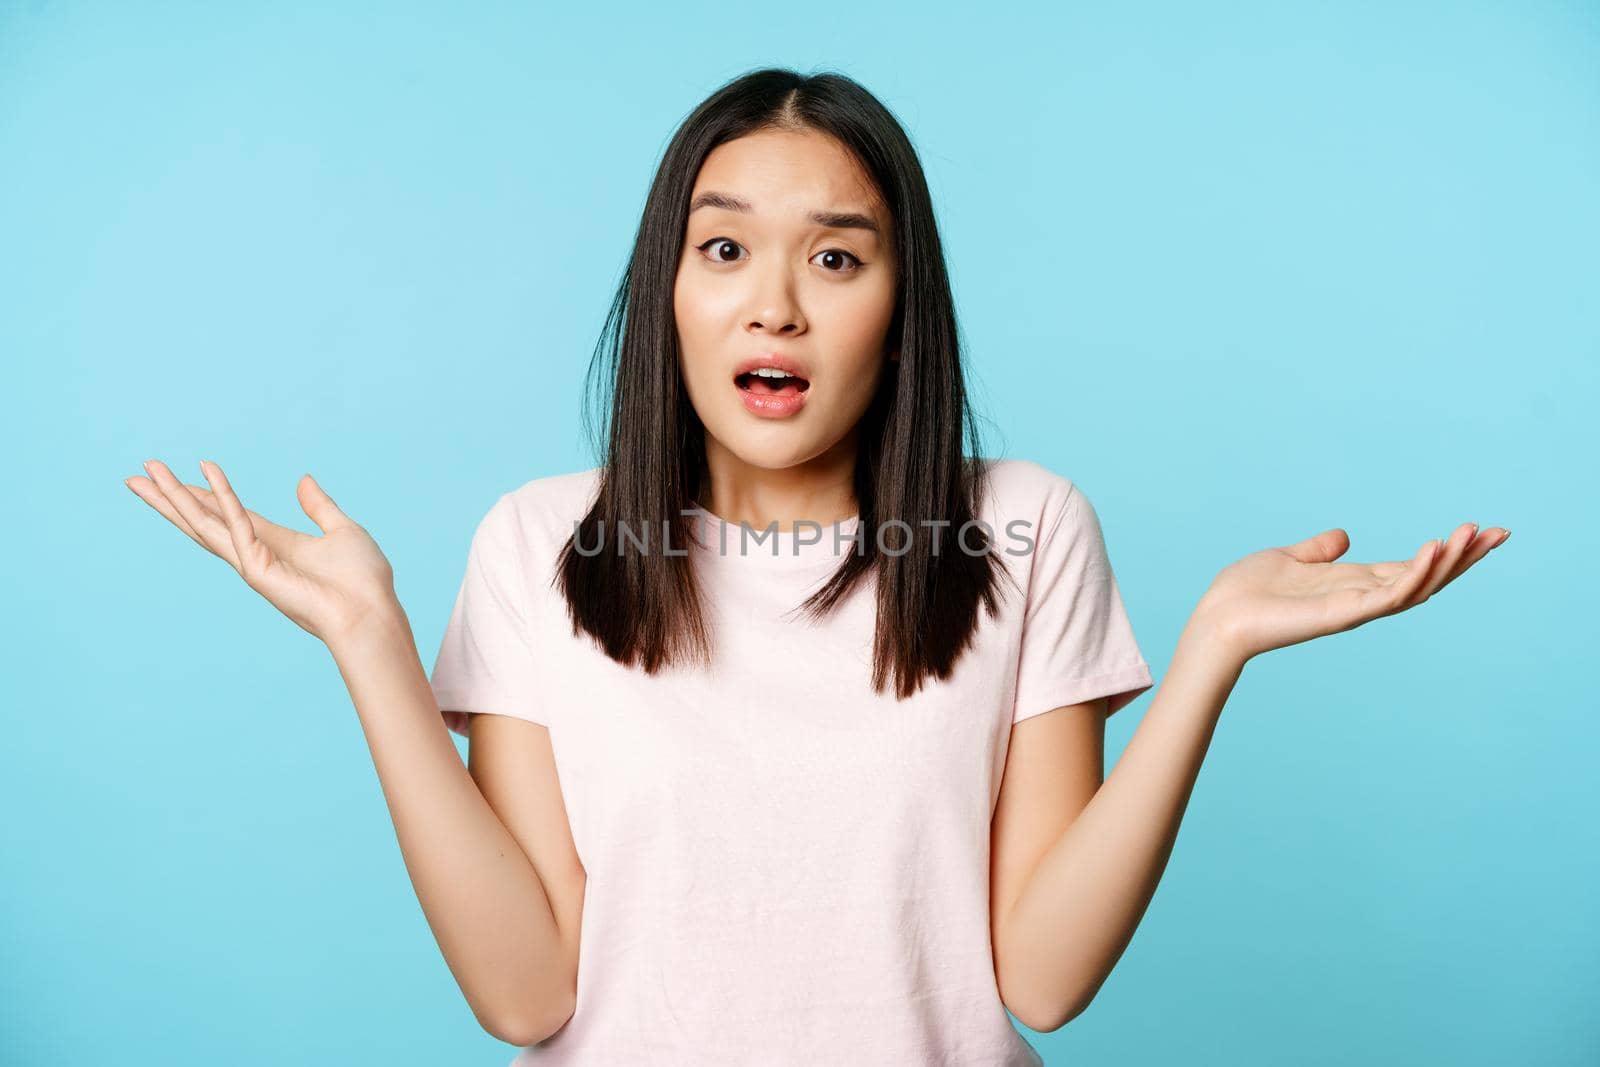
(783, 172)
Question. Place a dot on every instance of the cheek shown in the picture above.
(863, 332)
(860, 318)
(697, 337)
(683, 300)
(700, 308)
(688, 312)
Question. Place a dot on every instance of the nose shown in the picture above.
(774, 308)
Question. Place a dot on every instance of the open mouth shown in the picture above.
(772, 385)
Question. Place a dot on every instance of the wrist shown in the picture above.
(382, 623)
(1210, 632)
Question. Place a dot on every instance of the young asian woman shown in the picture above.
(837, 800)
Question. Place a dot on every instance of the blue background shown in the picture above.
(1243, 274)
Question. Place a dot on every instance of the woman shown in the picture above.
(837, 796)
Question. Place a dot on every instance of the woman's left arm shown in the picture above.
(1058, 940)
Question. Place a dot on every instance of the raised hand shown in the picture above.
(1282, 596)
(328, 585)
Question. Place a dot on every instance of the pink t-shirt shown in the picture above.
(785, 867)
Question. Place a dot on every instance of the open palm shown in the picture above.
(326, 584)
(1283, 596)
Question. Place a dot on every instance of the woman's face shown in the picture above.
(763, 279)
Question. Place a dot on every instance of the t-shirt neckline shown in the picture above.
(744, 544)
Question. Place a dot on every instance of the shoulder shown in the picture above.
(539, 514)
(564, 495)
(1022, 489)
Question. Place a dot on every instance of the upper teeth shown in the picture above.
(771, 372)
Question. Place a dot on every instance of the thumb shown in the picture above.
(1325, 547)
(319, 505)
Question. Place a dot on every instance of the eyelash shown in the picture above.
(728, 240)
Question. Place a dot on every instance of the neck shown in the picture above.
(820, 489)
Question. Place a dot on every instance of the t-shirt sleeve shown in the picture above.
(485, 662)
(1077, 640)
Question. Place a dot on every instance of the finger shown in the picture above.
(1325, 547)
(279, 540)
(320, 506)
(1449, 556)
(1487, 541)
(253, 556)
(147, 490)
(208, 529)
(1479, 546)
(1398, 594)
(207, 498)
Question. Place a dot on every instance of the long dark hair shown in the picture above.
(643, 606)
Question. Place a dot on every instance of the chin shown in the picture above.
(769, 453)
(773, 446)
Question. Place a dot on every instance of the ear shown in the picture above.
(895, 355)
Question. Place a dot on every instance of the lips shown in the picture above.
(773, 405)
(796, 367)
(772, 398)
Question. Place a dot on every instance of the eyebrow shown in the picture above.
(835, 220)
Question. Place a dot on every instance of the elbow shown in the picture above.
(1025, 1009)
(1047, 1018)
(1061, 1019)
(1039, 1022)
(1047, 1022)
(1040, 998)
(529, 1027)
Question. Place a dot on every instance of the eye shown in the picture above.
(719, 242)
(717, 245)
(841, 252)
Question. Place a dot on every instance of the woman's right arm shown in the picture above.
(480, 891)
(482, 896)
